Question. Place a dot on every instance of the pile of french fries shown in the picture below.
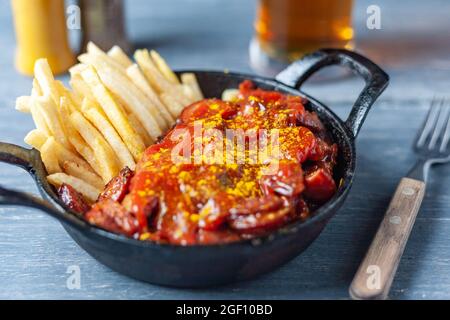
(114, 109)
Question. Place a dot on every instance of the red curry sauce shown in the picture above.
(209, 198)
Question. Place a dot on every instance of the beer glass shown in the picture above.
(285, 30)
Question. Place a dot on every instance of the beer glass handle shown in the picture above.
(375, 78)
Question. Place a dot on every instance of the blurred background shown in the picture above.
(412, 35)
(412, 31)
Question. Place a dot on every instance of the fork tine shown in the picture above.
(428, 124)
(441, 121)
(446, 136)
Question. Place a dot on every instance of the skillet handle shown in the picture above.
(16, 155)
(11, 197)
(376, 79)
(28, 160)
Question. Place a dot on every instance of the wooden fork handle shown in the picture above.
(375, 274)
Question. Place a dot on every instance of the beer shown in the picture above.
(287, 29)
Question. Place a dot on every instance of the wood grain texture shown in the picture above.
(375, 274)
(35, 251)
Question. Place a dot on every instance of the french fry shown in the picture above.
(109, 133)
(190, 80)
(45, 78)
(164, 67)
(114, 112)
(92, 49)
(139, 80)
(77, 69)
(173, 105)
(73, 136)
(189, 92)
(23, 104)
(66, 103)
(73, 100)
(126, 92)
(85, 151)
(80, 87)
(151, 72)
(120, 57)
(106, 159)
(73, 169)
(90, 192)
(75, 139)
(93, 104)
(65, 110)
(157, 80)
(64, 154)
(36, 91)
(103, 156)
(36, 138)
(140, 129)
(39, 119)
(49, 157)
(50, 113)
(130, 96)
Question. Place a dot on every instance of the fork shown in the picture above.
(376, 272)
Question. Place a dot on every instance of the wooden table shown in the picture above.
(414, 48)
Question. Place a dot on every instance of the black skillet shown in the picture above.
(200, 265)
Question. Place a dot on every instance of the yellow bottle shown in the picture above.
(41, 33)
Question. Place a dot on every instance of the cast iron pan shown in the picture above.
(201, 265)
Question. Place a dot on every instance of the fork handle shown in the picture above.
(376, 272)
